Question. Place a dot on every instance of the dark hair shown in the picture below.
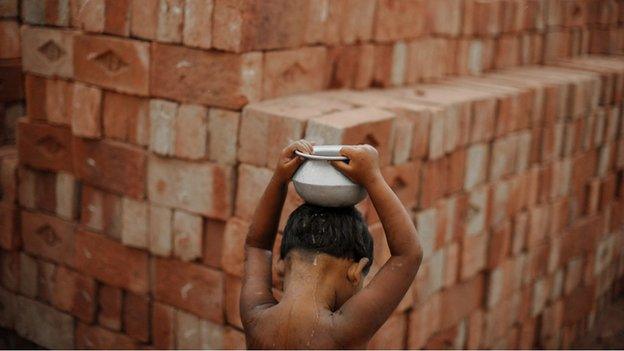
(337, 231)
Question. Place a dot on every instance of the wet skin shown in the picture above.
(324, 304)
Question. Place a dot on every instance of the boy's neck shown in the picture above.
(311, 283)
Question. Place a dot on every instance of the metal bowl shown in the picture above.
(319, 183)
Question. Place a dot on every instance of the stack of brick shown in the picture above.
(11, 82)
(144, 149)
(515, 183)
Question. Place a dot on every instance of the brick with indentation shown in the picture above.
(48, 237)
(48, 52)
(44, 146)
(118, 64)
(293, 71)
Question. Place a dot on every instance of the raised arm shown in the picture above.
(257, 281)
(361, 316)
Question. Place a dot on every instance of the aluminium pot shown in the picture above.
(319, 183)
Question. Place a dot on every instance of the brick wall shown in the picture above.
(151, 128)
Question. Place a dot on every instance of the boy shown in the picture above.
(325, 255)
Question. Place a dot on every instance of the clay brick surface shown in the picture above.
(178, 73)
(43, 324)
(191, 287)
(43, 146)
(293, 71)
(111, 165)
(48, 52)
(111, 262)
(199, 188)
(117, 64)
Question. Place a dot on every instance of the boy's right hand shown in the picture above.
(363, 166)
(289, 162)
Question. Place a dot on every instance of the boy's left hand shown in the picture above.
(289, 162)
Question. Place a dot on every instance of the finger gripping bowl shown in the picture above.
(319, 183)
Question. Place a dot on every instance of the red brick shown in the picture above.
(48, 237)
(35, 92)
(43, 146)
(161, 230)
(117, 17)
(460, 301)
(118, 64)
(163, 326)
(257, 25)
(8, 309)
(190, 132)
(170, 18)
(233, 256)
(10, 45)
(198, 23)
(359, 126)
(9, 9)
(136, 316)
(58, 101)
(12, 87)
(94, 337)
(444, 17)
(43, 324)
(423, 322)
(475, 330)
(187, 332)
(498, 244)
(398, 19)
(205, 188)
(10, 269)
(223, 127)
(86, 111)
(74, 293)
(48, 51)
(111, 165)
(250, 178)
(45, 281)
(179, 73)
(578, 304)
(187, 235)
(88, 15)
(110, 307)
(474, 255)
(214, 231)
(9, 234)
(482, 17)
(232, 300)
(267, 127)
(391, 335)
(434, 177)
(293, 71)
(191, 287)
(101, 211)
(111, 262)
(144, 19)
(426, 59)
(404, 180)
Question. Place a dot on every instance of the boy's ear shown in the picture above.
(280, 267)
(356, 271)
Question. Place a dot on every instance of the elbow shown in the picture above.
(416, 254)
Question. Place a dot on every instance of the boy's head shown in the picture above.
(340, 235)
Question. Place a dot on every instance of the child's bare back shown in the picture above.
(325, 256)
